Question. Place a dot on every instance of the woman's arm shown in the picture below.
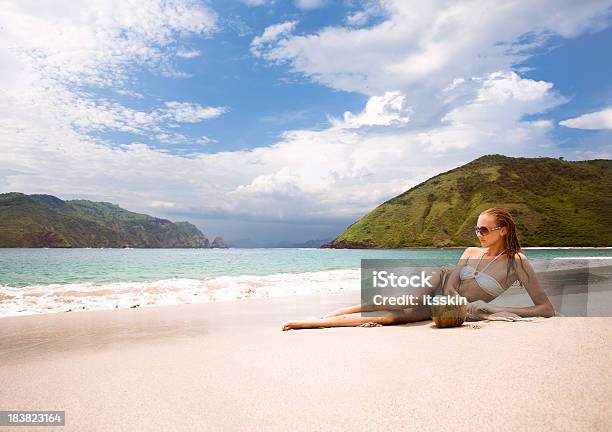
(529, 279)
(452, 280)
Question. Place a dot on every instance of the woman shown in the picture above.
(478, 282)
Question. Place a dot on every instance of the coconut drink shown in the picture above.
(448, 313)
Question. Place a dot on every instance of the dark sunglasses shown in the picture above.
(483, 230)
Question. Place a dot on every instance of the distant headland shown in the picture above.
(46, 221)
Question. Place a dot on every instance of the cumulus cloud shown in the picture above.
(501, 102)
(595, 120)
(341, 172)
(387, 110)
(420, 48)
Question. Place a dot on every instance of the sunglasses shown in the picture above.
(483, 230)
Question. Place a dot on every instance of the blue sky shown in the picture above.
(264, 100)
(288, 120)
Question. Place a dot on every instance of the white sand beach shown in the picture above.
(228, 366)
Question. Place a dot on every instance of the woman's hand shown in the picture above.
(481, 310)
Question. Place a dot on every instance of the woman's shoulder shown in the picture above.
(471, 251)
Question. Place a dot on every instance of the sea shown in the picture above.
(39, 281)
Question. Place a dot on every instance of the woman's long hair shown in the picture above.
(511, 243)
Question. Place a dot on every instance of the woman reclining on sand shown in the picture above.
(497, 234)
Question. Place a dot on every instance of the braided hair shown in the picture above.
(511, 243)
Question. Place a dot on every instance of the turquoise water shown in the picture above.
(26, 267)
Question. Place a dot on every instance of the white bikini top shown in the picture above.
(486, 282)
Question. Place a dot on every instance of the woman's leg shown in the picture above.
(386, 317)
(361, 308)
(344, 311)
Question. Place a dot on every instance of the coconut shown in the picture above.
(448, 315)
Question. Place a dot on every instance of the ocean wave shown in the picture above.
(41, 299)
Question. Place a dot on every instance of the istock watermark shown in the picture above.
(575, 286)
(384, 279)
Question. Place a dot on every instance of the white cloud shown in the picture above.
(96, 43)
(204, 140)
(449, 68)
(130, 93)
(595, 120)
(370, 9)
(186, 112)
(270, 35)
(500, 103)
(103, 115)
(421, 47)
(387, 110)
(359, 18)
(341, 172)
(283, 182)
(50, 54)
(332, 174)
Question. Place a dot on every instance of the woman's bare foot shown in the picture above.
(289, 325)
(296, 324)
(292, 325)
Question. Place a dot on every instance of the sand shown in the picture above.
(227, 366)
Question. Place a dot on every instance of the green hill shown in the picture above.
(47, 221)
(554, 202)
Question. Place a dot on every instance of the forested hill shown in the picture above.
(554, 202)
(47, 221)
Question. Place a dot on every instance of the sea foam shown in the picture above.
(40, 299)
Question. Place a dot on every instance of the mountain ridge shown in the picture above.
(554, 202)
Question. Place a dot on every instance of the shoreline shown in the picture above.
(301, 248)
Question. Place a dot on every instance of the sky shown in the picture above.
(289, 120)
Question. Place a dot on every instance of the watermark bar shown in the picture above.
(575, 286)
(32, 418)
